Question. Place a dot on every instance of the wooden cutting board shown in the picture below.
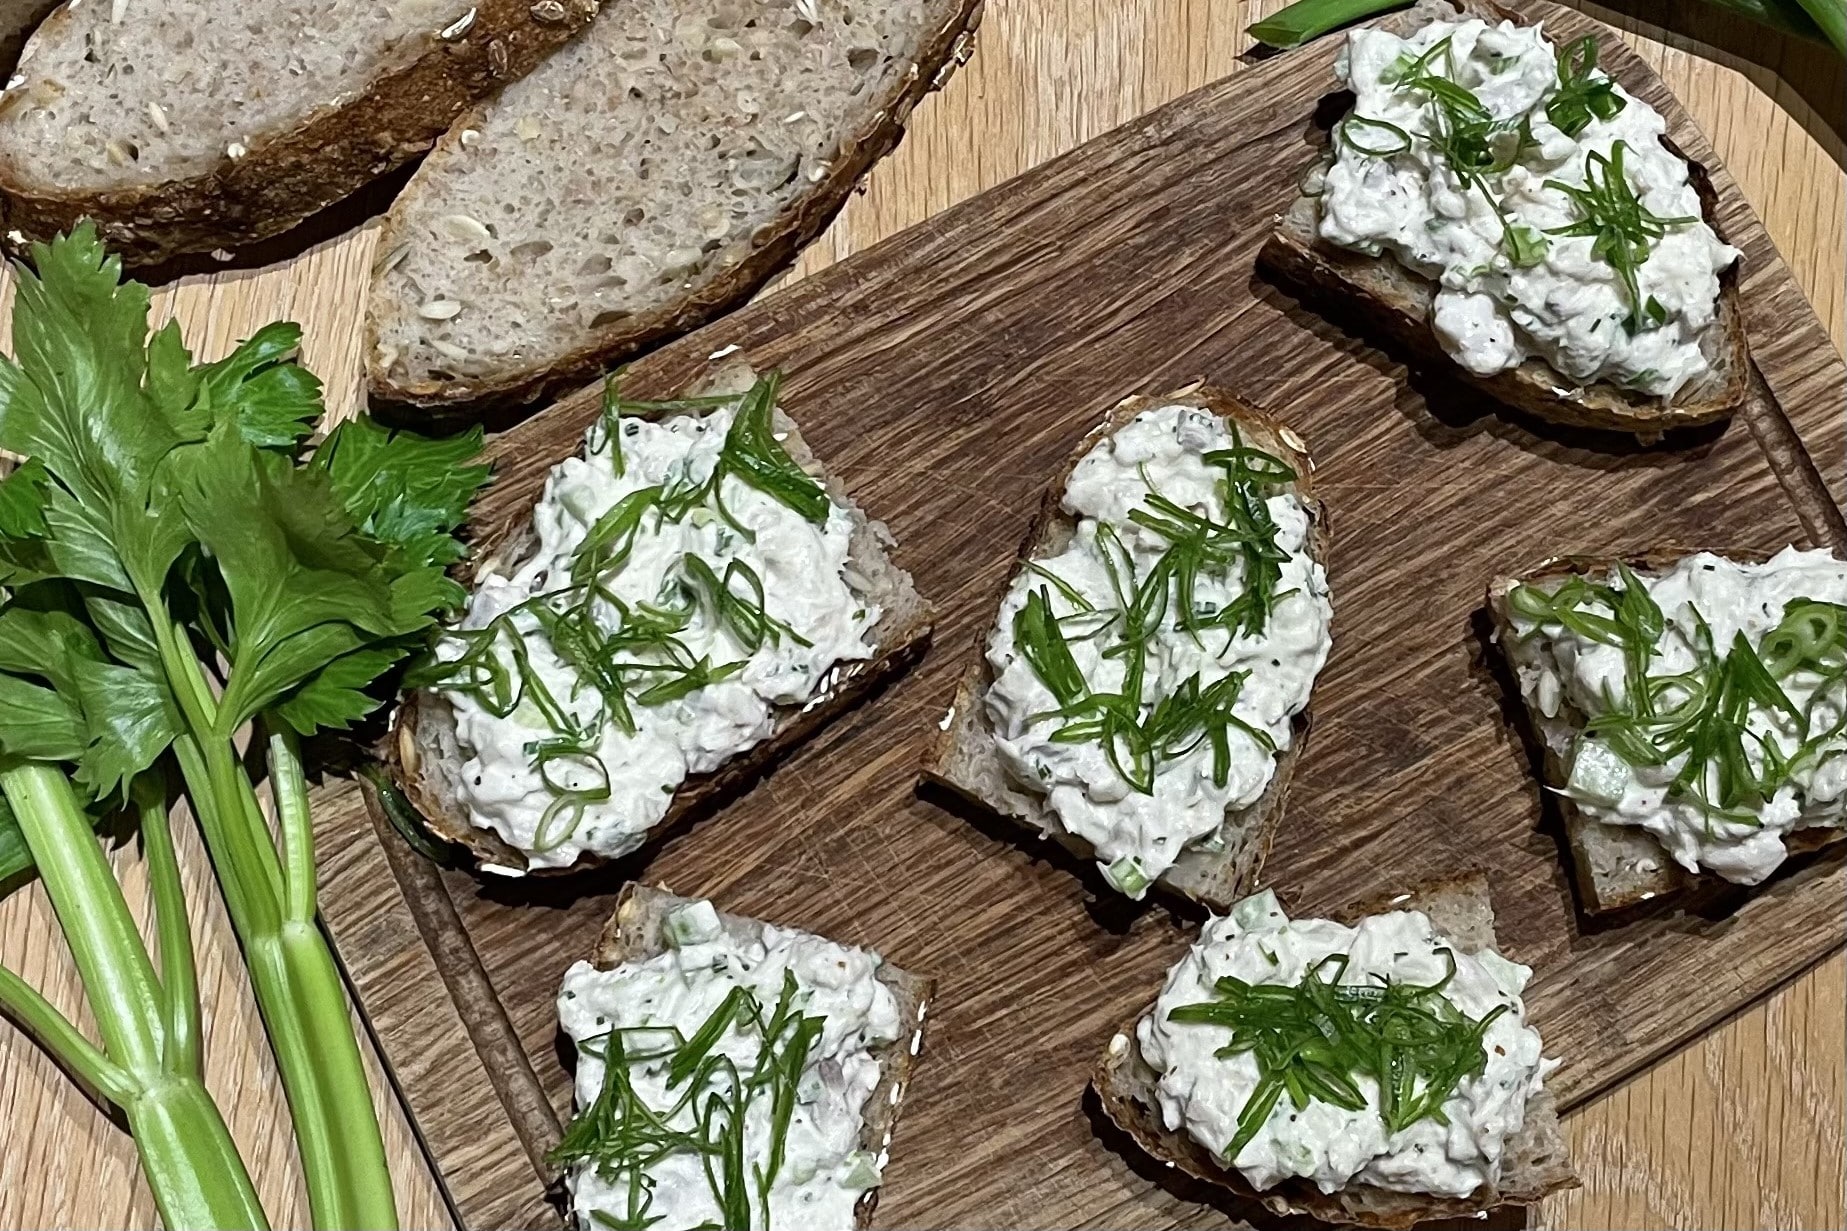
(944, 374)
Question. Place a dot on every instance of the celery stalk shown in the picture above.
(149, 1062)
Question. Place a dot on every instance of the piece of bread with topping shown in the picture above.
(992, 737)
(1167, 1090)
(866, 1072)
(1536, 279)
(1620, 818)
(761, 707)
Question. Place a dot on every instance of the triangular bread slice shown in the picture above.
(1535, 1162)
(425, 760)
(1614, 866)
(646, 179)
(1394, 302)
(964, 759)
(189, 125)
(637, 931)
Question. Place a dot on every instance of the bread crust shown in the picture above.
(1395, 303)
(1125, 1083)
(902, 636)
(635, 933)
(1615, 867)
(961, 759)
(772, 248)
(287, 176)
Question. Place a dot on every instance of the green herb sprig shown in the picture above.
(1622, 230)
(1312, 1042)
(622, 1137)
(1583, 93)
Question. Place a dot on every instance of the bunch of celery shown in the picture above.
(179, 567)
(1306, 19)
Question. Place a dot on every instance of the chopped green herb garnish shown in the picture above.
(621, 1136)
(1622, 230)
(1583, 93)
(1314, 1040)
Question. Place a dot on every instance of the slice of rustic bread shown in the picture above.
(1396, 303)
(637, 931)
(425, 759)
(648, 177)
(966, 761)
(187, 125)
(1535, 1162)
(1615, 866)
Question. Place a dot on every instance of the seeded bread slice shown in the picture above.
(637, 931)
(1396, 303)
(1534, 1165)
(966, 761)
(425, 758)
(646, 179)
(188, 125)
(1615, 866)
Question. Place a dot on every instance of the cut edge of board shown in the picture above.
(511, 1071)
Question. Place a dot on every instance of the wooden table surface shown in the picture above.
(1743, 1129)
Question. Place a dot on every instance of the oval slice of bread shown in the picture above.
(1535, 1162)
(1614, 866)
(966, 762)
(188, 125)
(637, 931)
(1386, 298)
(425, 759)
(645, 179)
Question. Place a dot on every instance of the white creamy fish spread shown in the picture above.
(723, 1083)
(1707, 705)
(1145, 676)
(1536, 192)
(1391, 995)
(689, 578)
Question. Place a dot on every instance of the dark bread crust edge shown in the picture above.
(329, 154)
(898, 648)
(1595, 845)
(1401, 314)
(772, 248)
(634, 933)
(1214, 878)
(1462, 910)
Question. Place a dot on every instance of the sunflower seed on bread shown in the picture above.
(647, 178)
(190, 125)
(1532, 1161)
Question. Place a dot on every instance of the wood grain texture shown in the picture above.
(1009, 324)
(1662, 1150)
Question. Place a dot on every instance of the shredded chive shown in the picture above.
(1622, 230)
(622, 1137)
(1314, 1040)
(1583, 93)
